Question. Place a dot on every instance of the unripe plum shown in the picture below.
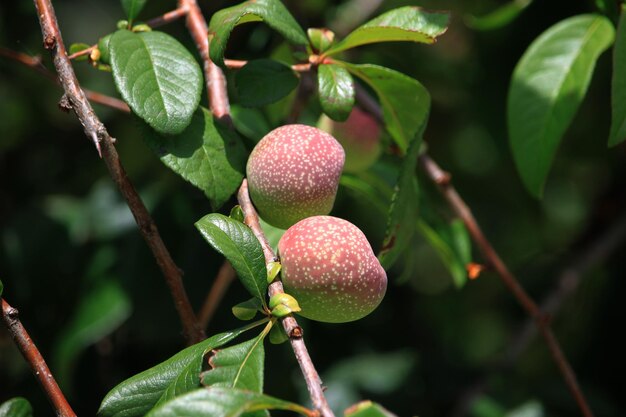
(293, 173)
(360, 137)
(330, 268)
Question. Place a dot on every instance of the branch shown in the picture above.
(293, 330)
(542, 321)
(94, 129)
(238, 64)
(11, 320)
(224, 277)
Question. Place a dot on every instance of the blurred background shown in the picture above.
(94, 301)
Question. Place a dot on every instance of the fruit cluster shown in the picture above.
(327, 263)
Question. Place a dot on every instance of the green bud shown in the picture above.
(122, 24)
(321, 39)
(273, 268)
(142, 28)
(103, 47)
(237, 214)
(283, 304)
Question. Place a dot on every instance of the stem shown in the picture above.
(96, 131)
(168, 17)
(224, 278)
(293, 330)
(238, 64)
(11, 320)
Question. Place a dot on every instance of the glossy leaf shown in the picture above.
(16, 407)
(222, 402)
(247, 309)
(336, 91)
(132, 8)
(548, 85)
(405, 102)
(158, 78)
(618, 85)
(240, 246)
(264, 81)
(138, 394)
(500, 17)
(367, 409)
(207, 154)
(409, 23)
(272, 12)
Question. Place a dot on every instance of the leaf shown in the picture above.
(100, 312)
(240, 366)
(548, 85)
(16, 407)
(366, 190)
(410, 23)
(498, 18)
(158, 78)
(138, 394)
(77, 47)
(264, 81)
(1, 288)
(251, 123)
(405, 102)
(336, 91)
(240, 246)
(247, 309)
(367, 409)
(207, 154)
(272, 12)
(618, 84)
(132, 8)
(222, 402)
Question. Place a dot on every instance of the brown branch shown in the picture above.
(238, 64)
(11, 320)
(95, 130)
(541, 320)
(311, 377)
(224, 278)
(168, 17)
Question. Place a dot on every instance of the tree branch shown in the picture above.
(293, 330)
(11, 320)
(95, 130)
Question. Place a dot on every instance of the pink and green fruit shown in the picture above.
(360, 137)
(330, 268)
(293, 173)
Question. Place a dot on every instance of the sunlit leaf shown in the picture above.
(499, 17)
(16, 407)
(336, 91)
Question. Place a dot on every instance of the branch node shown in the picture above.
(49, 42)
(65, 104)
(296, 333)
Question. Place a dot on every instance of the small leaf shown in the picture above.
(240, 246)
(207, 154)
(248, 309)
(405, 102)
(158, 78)
(236, 213)
(264, 81)
(500, 17)
(367, 409)
(273, 268)
(409, 23)
(618, 84)
(222, 402)
(272, 12)
(77, 47)
(548, 85)
(336, 91)
(278, 335)
(132, 8)
(320, 39)
(16, 407)
(138, 394)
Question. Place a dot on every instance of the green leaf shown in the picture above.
(16, 407)
(247, 309)
(409, 23)
(272, 12)
(240, 246)
(405, 102)
(138, 394)
(367, 409)
(100, 312)
(278, 335)
(1, 288)
(158, 78)
(548, 85)
(369, 188)
(132, 8)
(498, 18)
(404, 208)
(77, 47)
(251, 123)
(618, 84)
(336, 91)
(222, 402)
(240, 366)
(208, 155)
(264, 81)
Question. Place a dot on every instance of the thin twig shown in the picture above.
(542, 320)
(168, 17)
(293, 330)
(238, 64)
(11, 320)
(95, 130)
(224, 278)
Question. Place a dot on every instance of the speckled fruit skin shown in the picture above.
(360, 137)
(330, 268)
(293, 173)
